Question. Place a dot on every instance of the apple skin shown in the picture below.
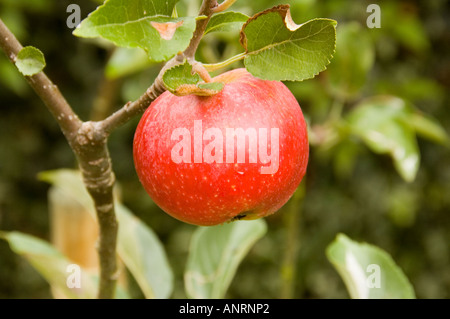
(213, 193)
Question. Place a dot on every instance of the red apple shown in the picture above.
(239, 154)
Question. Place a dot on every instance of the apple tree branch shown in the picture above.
(88, 140)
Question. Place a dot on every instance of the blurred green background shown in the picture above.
(348, 188)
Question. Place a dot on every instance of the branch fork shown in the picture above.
(88, 140)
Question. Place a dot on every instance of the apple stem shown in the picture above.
(224, 5)
(220, 65)
(198, 68)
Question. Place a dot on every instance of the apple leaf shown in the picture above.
(137, 246)
(179, 75)
(278, 49)
(147, 24)
(382, 123)
(368, 271)
(226, 22)
(30, 61)
(180, 80)
(144, 255)
(215, 254)
(51, 264)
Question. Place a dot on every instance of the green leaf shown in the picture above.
(278, 49)
(144, 255)
(51, 264)
(215, 254)
(180, 80)
(30, 61)
(179, 75)
(429, 128)
(352, 61)
(226, 22)
(368, 271)
(146, 24)
(382, 123)
(138, 246)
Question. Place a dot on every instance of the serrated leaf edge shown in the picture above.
(284, 11)
(188, 89)
(39, 52)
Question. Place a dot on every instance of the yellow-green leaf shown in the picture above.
(51, 264)
(30, 61)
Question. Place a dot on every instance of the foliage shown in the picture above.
(361, 264)
(181, 80)
(215, 255)
(30, 61)
(140, 24)
(138, 247)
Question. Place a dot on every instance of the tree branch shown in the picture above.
(96, 168)
(205, 10)
(131, 109)
(88, 141)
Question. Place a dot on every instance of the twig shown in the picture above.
(137, 107)
(132, 109)
(205, 10)
(223, 64)
(224, 5)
